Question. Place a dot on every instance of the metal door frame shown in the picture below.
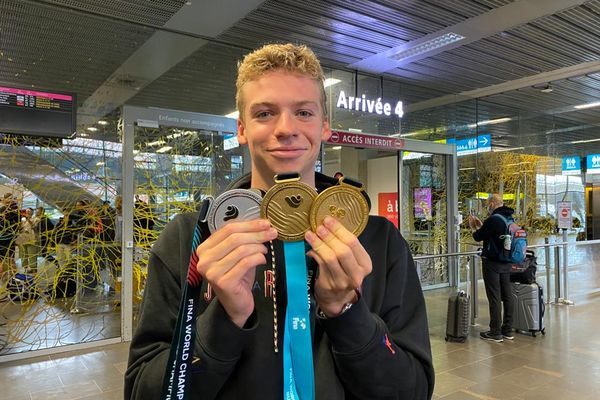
(150, 117)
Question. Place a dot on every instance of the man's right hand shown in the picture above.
(474, 222)
(228, 261)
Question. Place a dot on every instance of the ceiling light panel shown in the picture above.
(427, 46)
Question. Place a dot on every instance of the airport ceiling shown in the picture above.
(531, 61)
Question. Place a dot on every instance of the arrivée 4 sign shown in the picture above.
(364, 104)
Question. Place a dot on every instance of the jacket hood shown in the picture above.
(506, 211)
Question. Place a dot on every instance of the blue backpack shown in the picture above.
(515, 239)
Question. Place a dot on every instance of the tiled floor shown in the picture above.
(563, 364)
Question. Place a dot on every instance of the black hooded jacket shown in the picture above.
(492, 229)
(378, 349)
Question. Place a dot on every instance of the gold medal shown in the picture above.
(344, 202)
(287, 205)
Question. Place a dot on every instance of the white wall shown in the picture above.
(382, 176)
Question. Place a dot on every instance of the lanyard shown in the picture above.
(177, 377)
(298, 375)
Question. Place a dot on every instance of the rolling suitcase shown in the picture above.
(529, 307)
(457, 323)
(525, 271)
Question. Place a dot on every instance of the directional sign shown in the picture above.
(472, 145)
(593, 163)
(571, 165)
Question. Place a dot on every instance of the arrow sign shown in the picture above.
(472, 145)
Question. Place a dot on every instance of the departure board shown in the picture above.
(37, 113)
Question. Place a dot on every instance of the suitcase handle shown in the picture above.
(543, 309)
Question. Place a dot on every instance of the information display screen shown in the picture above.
(422, 203)
(37, 113)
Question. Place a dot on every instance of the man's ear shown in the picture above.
(241, 133)
(326, 134)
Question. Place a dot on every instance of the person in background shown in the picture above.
(65, 236)
(370, 334)
(9, 229)
(43, 227)
(27, 243)
(496, 274)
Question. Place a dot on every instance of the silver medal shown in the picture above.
(235, 204)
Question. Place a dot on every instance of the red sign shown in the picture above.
(564, 212)
(365, 140)
(388, 206)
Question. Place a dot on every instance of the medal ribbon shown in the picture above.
(298, 370)
(176, 380)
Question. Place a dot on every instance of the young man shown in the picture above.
(496, 274)
(372, 345)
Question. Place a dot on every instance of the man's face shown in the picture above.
(282, 124)
(491, 206)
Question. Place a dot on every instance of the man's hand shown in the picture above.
(474, 222)
(228, 261)
(343, 265)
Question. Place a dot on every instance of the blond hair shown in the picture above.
(271, 57)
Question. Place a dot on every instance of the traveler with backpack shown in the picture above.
(498, 232)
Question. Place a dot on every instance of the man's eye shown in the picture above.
(305, 113)
(262, 114)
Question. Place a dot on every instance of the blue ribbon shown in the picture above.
(298, 371)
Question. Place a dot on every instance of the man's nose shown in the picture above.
(286, 125)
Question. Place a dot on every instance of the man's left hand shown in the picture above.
(343, 265)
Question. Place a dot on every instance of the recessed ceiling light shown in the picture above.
(234, 115)
(336, 148)
(497, 150)
(102, 122)
(427, 46)
(92, 128)
(587, 105)
(490, 122)
(585, 141)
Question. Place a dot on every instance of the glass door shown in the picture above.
(425, 213)
(179, 158)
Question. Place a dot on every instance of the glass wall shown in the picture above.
(60, 249)
(175, 169)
